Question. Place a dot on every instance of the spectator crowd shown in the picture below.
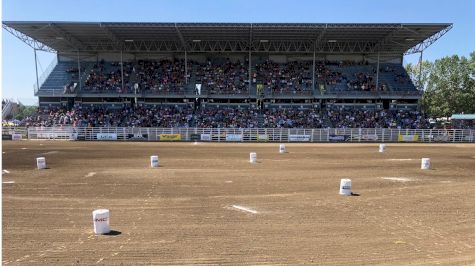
(213, 117)
(225, 76)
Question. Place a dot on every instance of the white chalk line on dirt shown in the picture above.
(5, 171)
(50, 152)
(8, 182)
(90, 174)
(245, 209)
(400, 159)
(398, 179)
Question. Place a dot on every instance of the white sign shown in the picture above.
(233, 137)
(16, 136)
(262, 137)
(106, 136)
(299, 137)
(206, 137)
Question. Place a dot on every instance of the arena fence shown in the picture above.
(14, 133)
(252, 134)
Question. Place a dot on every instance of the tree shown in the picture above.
(25, 111)
(450, 87)
(414, 70)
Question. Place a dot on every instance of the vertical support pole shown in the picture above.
(313, 67)
(250, 48)
(122, 70)
(36, 69)
(79, 72)
(186, 68)
(377, 74)
(420, 73)
(249, 70)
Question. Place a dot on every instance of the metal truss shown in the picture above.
(116, 42)
(29, 41)
(71, 40)
(428, 42)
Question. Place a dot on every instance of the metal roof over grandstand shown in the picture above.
(96, 37)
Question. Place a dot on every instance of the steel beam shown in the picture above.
(39, 46)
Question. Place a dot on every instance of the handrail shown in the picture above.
(255, 134)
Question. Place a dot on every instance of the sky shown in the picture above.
(18, 66)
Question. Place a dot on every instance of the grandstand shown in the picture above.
(262, 67)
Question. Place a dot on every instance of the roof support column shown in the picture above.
(377, 73)
(313, 69)
(249, 59)
(122, 70)
(420, 72)
(249, 70)
(36, 69)
(79, 73)
(186, 68)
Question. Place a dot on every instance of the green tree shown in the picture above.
(413, 70)
(25, 111)
(450, 87)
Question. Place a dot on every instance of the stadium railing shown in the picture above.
(254, 134)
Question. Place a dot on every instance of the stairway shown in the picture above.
(260, 120)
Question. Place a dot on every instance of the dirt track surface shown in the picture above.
(182, 213)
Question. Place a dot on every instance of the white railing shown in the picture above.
(253, 134)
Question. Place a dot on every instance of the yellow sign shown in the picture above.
(170, 137)
(408, 137)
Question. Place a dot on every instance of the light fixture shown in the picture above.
(409, 39)
(59, 38)
(264, 40)
(129, 41)
(196, 40)
(331, 40)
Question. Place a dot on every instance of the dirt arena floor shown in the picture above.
(190, 210)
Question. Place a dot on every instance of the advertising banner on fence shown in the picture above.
(338, 138)
(221, 136)
(195, 137)
(6, 137)
(16, 136)
(369, 137)
(233, 137)
(106, 136)
(54, 133)
(299, 137)
(137, 136)
(262, 137)
(206, 137)
(170, 137)
(441, 138)
(408, 138)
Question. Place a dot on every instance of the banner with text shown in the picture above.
(170, 137)
(408, 138)
(233, 137)
(106, 136)
(301, 138)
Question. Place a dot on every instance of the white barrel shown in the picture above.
(154, 161)
(101, 221)
(382, 147)
(345, 187)
(282, 148)
(41, 162)
(253, 157)
(425, 163)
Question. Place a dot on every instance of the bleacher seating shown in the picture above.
(225, 77)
